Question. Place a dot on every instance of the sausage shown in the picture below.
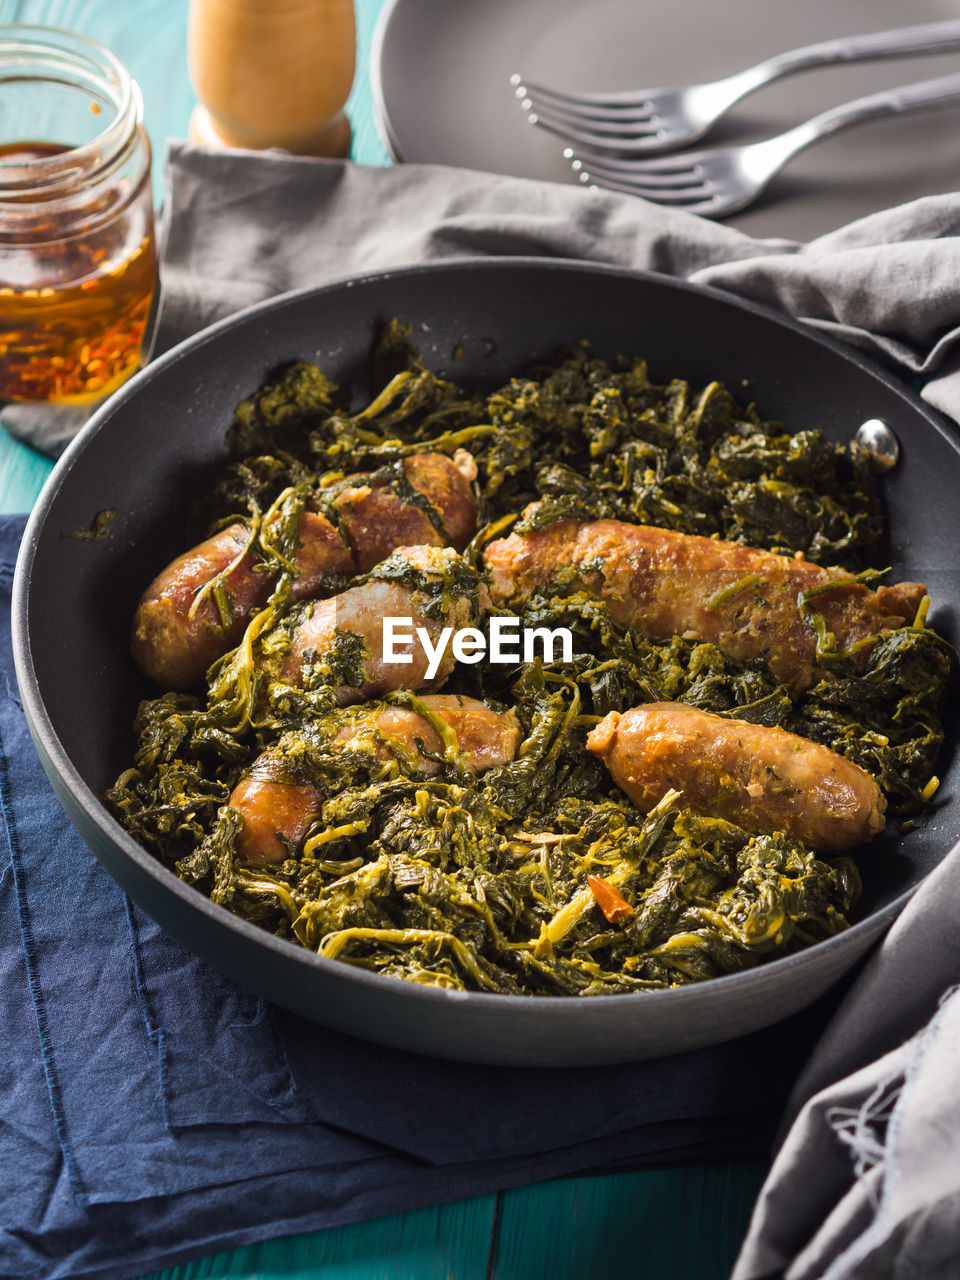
(484, 737)
(759, 778)
(276, 812)
(175, 649)
(376, 520)
(277, 809)
(361, 611)
(742, 599)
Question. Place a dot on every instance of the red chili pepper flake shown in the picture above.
(613, 904)
(72, 328)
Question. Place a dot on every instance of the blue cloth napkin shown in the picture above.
(151, 1111)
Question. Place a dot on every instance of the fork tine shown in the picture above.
(680, 180)
(669, 167)
(645, 140)
(619, 128)
(688, 199)
(684, 197)
(531, 100)
(613, 120)
(624, 97)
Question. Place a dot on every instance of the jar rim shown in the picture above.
(66, 57)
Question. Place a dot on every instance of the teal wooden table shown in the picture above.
(676, 1224)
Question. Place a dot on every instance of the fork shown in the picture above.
(661, 119)
(720, 180)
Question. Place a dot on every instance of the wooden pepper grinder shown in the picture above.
(272, 73)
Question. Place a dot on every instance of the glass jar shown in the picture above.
(78, 263)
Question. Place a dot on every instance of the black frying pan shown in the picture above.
(156, 443)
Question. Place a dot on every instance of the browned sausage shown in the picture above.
(376, 519)
(175, 649)
(277, 810)
(484, 737)
(762, 779)
(361, 610)
(742, 599)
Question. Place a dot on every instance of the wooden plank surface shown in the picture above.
(447, 1241)
(669, 1224)
(679, 1224)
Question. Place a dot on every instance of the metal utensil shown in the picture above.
(654, 120)
(721, 180)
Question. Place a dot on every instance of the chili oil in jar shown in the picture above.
(78, 263)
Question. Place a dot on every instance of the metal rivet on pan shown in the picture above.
(879, 441)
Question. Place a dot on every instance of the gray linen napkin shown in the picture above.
(867, 1183)
(241, 226)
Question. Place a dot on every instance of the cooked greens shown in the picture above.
(482, 882)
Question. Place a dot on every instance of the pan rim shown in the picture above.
(60, 768)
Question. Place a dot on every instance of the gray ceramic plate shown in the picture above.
(441, 73)
(156, 443)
